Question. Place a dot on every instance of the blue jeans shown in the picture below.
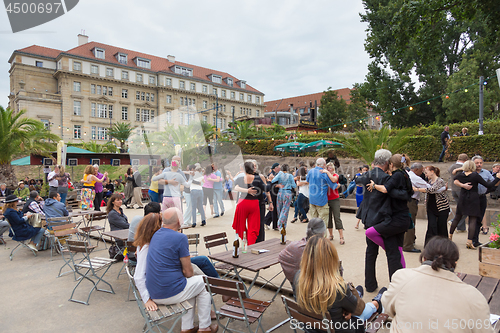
(36, 239)
(218, 201)
(350, 188)
(205, 265)
(153, 196)
(299, 206)
(63, 196)
(442, 154)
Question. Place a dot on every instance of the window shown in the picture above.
(182, 101)
(152, 97)
(138, 95)
(143, 96)
(205, 89)
(205, 104)
(124, 93)
(104, 90)
(193, 86)
(223, 93)
(241, 110)
(257, 99)
(77, 86)
(224, 123)
(38, 63)
(94, 69)
(109, 72)
(147, 97)
(46, 124)
(137, 114)
(168, 81)
(249, 98)
(214, 91)
(110, 111)
(110, 91)
(216, 79)
(77, 66)
(249, 112)
(122, 58)
(92, 109)
(93, 132)
(77, 108)
(257, 113)
(232, 95)
(243, 84)
(145, 63)
(242, 97)
(124, 75)
(92, 88)
(186, 118)
(124, 113)
(205, 118)
(183, 70)
(102, 111)
(139, 78)
(99, 53)
(169, 99)
(229, 82)
(152, 79)
(182, 85)
(169, 117)
(102, 133)
(98, 90)
(77, 131)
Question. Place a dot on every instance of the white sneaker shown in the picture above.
(266, 227)
(33, 247)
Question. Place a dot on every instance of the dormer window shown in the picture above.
(215, 78)
(99, 53)
(122, 58)
(242, 84)
(229, 81)
(182, 70)
(142, 62)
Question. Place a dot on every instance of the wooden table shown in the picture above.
(255, 262)
(488, 286)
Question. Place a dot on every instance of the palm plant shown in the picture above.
(243, 130)
(121, 132)
(208, 130)
(21, 136)
(364, 144)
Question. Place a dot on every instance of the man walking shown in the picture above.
(272, 215)
(416, 180)
(455, 190)
(445, 136)
(319, 182)
(483, 203)
(51, 177)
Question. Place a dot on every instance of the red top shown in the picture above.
(334, 194)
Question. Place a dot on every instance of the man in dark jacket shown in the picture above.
(54, 207)
(4, 191)
(376, 208)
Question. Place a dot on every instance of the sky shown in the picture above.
(281, 48)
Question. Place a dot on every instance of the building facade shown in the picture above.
(81, 92)
(302, 112)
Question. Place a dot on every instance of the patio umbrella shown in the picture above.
(290, 147)
(317, 145)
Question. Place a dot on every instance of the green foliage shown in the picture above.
(208, 130)
(243, 130)
(334, 110)
(121, 131)
(95, 147)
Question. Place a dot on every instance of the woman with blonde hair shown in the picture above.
(88, 193)
(468, 202)
(321, 288)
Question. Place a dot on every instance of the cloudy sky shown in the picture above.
(282, 48)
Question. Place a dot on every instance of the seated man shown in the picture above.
(54, 207)
(170, 277)
(34, 204)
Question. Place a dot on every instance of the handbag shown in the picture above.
(35, 220)
(360, 306)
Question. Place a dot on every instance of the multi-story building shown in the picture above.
(303, 111)
(81, 92)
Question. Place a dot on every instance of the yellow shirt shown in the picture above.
(92, 184)
(154, 186)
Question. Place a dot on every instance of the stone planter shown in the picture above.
(489, 261)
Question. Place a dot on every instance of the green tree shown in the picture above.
(95, 147)
(121, 131)
(208, 131)
(356, 109)
(333, 110)
(21, 136)
(243, 130)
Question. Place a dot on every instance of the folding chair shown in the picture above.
(62, 233)
(97, 228)
(164, 314)
(20, 242)
(51, 223)
(239, 307)
(218, 240)
(194, 239)
(88, 267)
(303, 319)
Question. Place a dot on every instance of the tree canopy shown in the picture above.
(335, 110)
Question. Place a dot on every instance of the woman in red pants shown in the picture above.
(247, 214)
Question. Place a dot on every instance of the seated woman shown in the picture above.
(321, 288)
(117, 219)
(18, 223)
(432, 295)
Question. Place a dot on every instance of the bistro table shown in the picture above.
(119, 235)
(87, 222)
(255, 262)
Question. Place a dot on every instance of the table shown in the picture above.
(488, 286)
(87, 222)
(119, 235)
(255, 262)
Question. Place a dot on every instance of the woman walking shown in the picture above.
(438, 207)
(334, 205)
(468, 201)
(284, 199)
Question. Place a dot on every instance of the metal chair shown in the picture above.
(193, 239)
(302, 319)
(52, 222)
(62, 234)
(239, 307)
(97, 228)
(214, 240)
(164, 314)
(20, 242)
(88, 268)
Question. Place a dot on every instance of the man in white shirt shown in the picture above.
(455, 190)
(415, 172)
(51, 177)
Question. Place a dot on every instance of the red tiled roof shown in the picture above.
(42, 51)
(303, 101)
(158, 64)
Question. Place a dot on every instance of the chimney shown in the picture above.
(82, 39)
(171, 58)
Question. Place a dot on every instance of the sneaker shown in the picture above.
(33, 247)
(267, 227)
(378, 297)
(360, 291)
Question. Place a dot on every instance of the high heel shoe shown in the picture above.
(470, 246)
